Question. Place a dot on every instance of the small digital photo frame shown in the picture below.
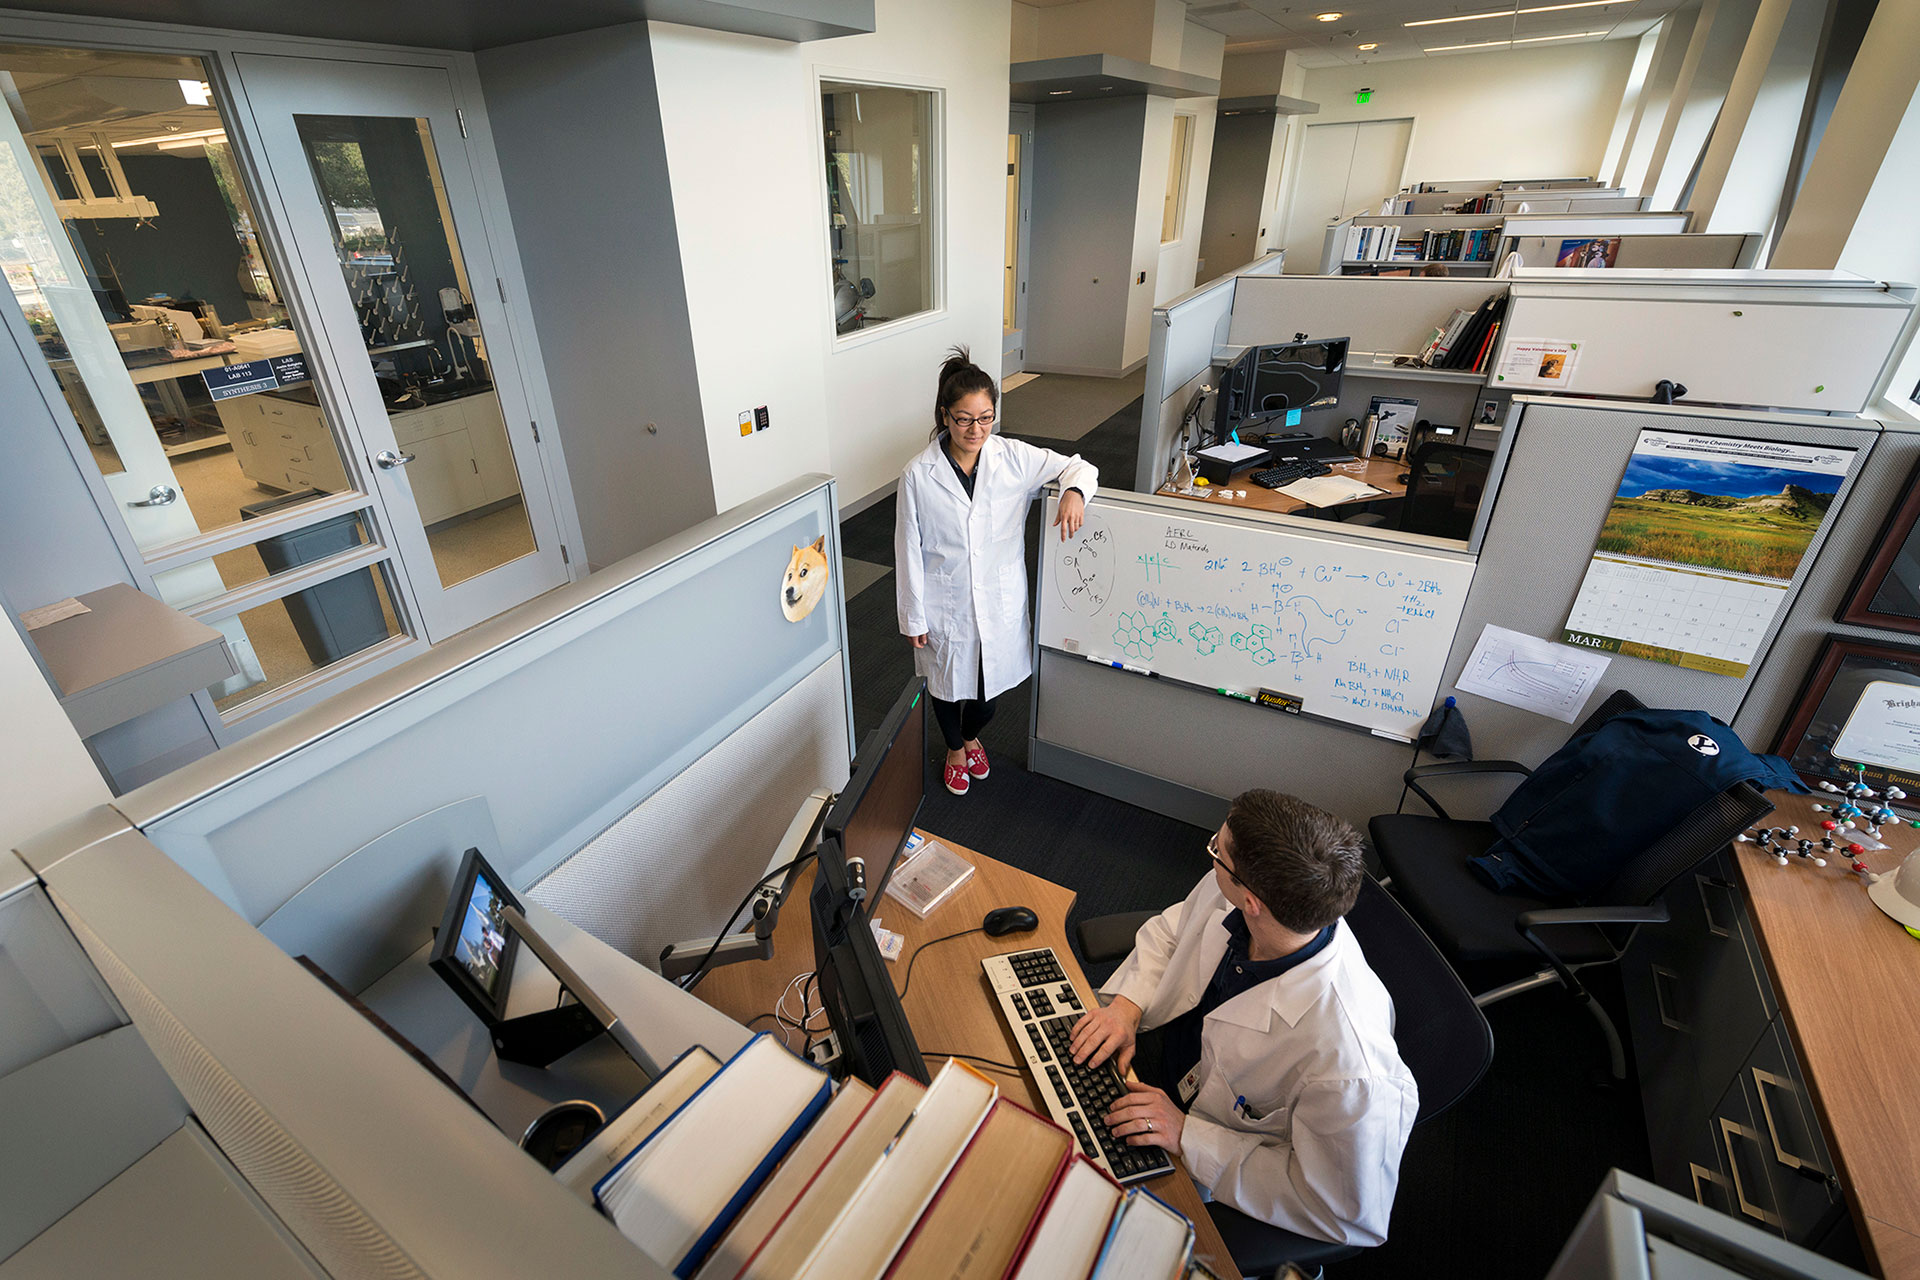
(475, 949)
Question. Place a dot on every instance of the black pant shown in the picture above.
(962, 721)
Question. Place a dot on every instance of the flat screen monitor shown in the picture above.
(1268, 382)
(876, 811)
(475, 948)
(855, 987)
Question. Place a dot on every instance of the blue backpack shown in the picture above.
(1609, 795)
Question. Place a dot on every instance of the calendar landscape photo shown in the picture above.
(1717, 515)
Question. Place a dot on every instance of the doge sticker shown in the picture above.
(805, 581)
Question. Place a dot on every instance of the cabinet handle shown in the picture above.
(1708, 1176)
(309, 449)
(1704, 883)
(476, 465)
(1662, 980)
(1799, 1164)
(1728, 1131)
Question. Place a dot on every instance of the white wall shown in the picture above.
(47, 775)
(1516, 113)
(1201, 53)
(1124, 28)
(741, 121)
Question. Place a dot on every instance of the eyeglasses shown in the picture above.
(963, 420)
(1213, 851)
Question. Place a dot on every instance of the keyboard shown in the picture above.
(1041, 1006)
(1287, 472)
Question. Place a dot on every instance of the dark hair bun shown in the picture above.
(959, 360)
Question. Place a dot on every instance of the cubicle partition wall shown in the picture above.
(627, 750)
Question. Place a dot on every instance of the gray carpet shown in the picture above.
(857, 575)
(1064, 406)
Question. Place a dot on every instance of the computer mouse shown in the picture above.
(1002, 921)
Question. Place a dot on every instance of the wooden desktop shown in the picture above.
(1382, 473)
(950, 1006)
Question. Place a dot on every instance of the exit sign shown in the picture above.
(1363, 96)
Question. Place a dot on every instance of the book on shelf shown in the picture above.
(1073, 1226)
(803, 1226)
(903, 1181)
(785, 1184)
(988, 1205)
(1148, 1241)
(612, 1141)
(1436, 353)
(675, 1193)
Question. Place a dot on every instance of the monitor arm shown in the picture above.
(802, 838)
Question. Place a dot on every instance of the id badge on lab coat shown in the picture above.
(1189, 1086)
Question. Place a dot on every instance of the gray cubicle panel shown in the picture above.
(637, 741)
(1185, 752)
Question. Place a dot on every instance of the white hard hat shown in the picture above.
(1898, 892)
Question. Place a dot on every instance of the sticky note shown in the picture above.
(1293, 417)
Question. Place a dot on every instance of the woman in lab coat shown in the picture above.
(960, 565)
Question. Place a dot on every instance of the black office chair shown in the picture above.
(1445, 483)
(1443, 1038)
(1522, 942)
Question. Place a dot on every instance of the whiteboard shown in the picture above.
(1358, 630)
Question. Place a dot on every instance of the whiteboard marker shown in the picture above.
(1098, 661)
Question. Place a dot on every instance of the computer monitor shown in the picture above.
(876, 811)
(475, 948)
(860, 842)
(1268, 382)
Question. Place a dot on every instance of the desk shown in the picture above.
(1848, 980)
(949, 1005)
(1382, 473)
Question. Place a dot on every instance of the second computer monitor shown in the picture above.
(1268, 382)
(880, 804)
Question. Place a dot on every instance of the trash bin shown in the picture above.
(338, 617)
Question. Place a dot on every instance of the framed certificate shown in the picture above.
(1887, 592)
(1858, 716)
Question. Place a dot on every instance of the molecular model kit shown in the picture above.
(1861, 808)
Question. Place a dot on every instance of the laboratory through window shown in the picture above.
(881, 165)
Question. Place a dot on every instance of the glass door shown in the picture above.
(370, 163)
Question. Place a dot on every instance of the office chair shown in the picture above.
(1445, 482)
(1524, 942)
(1443, 1038)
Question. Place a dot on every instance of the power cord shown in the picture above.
(908, 980)
(692, 980)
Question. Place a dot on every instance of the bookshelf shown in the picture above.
(1466, 244)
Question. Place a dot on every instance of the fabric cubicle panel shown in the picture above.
(1565, 467)
(565, 715)
(1810, 621)
(1180, 346)
(1385, 314)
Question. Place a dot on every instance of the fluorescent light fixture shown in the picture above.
(1489, 44)
(1328, 17)
(196, 92)
(1508, 13)
(169, 137)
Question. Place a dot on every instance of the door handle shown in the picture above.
(158, 496)
(388, 459)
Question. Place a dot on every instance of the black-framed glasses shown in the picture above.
(1213, 851)
(964, 420)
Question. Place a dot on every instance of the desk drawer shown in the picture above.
(1797, 1160)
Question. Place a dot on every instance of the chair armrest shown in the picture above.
(1105, 938)
(1412, 776)
(1651, 913)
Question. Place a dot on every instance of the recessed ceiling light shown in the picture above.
(1489, 44)
(1367, 46)
(1328, 17)
(1508, 13)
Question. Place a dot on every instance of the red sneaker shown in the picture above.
(957, 779)
(977, 761)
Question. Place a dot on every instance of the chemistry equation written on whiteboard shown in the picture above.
(1359, 632)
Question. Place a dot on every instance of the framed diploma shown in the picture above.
(1858, 716)
(1887, 592)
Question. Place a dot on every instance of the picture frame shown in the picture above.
(1886, 594)
(1827, 713)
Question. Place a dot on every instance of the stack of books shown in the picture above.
(754, 1169)
(1468, 338)
(1372, 244)
(1462, 244)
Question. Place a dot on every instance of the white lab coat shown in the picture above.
(960, 566)
(1312, 1053)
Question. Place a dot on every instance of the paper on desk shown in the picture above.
(1535, 675)
(1233, 453)
(1328, 491)
(48, 614)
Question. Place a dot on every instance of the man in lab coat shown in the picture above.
(1282, 1087)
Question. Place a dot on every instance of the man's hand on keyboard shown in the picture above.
(1146, 1117)
(1107, 1031)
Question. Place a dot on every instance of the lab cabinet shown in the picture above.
(283, 443)
(1729, 1122)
